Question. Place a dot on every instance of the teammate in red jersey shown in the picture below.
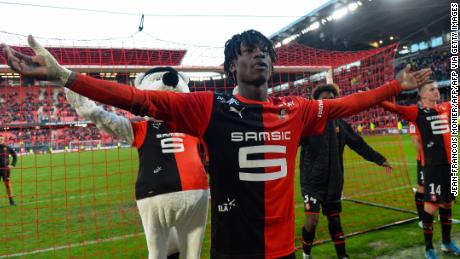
(433, 124)
(252, 138)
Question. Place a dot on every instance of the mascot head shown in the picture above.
(162, 79)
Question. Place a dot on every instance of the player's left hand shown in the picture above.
(388, 167)
(411, 80)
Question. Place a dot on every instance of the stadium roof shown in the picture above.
(357, 25)
(110, 56)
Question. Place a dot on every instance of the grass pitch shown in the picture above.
(82, 205)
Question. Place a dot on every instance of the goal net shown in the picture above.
(82, 203)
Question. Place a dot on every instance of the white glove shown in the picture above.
(55, 72)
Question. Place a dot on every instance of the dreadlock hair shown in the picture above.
(332, 88)
(251, 39)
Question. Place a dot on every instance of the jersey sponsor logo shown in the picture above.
(157, 170)
(170, 135)
(235, 110)
(239, 136)
(245, 163)
(320, 108)
(156, 124)
(226, 206)
(172, 145)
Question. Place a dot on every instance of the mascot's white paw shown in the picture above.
(163, 79)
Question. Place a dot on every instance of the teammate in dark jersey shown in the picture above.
(433, 124)
(5, 152)
(252, 138)
(420, 190)
(321, 174)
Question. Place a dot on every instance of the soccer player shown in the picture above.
(321, 174)
(252, 138)
(433, 124)
(172, 186)
(420, 190)
(5, 152)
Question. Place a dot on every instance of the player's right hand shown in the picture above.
(388, 167)
(411, 80)
(42, 66)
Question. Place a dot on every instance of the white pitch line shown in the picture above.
(85, 243)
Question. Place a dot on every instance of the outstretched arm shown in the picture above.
(357, 143)
(352, 104)
(111, 123)
(190, 113)
(408, 113)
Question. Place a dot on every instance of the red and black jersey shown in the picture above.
(252, 147)
(433, 129)
(168, 161)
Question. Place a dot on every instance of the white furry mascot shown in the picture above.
(172, 186)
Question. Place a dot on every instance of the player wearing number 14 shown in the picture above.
(433, 123)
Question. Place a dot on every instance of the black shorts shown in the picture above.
(312, 206)
(5, 174)
(437, 184)
(420, 178)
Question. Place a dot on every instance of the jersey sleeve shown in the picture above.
(352, 104)
(139, 132)
(313, 116)
(408, 113)
(189, 112)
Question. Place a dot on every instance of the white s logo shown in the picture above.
(172, 145)
(440, 127)
(244, 162)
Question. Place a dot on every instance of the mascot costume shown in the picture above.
(172, 190)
